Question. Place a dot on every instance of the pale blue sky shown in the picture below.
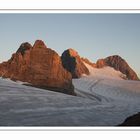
(93, 35)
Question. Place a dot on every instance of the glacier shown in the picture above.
(103, 98)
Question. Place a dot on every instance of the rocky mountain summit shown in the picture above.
(118, 64)
(39, 66)
(73, 63)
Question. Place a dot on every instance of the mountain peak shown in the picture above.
(118, 63)
(115, 57)
(24, 47)
(72, 52)
(39, 44)
(73, 63)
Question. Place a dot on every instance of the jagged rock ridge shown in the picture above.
(38, 65)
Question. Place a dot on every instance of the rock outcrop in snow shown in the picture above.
(118, 64)
(73, 63)
(38, 65)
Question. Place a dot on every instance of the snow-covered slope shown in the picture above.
(117, 98)
(104, 99)
(105, 72)
(28, 106)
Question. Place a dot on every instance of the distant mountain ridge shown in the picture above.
(43, 67)
(118, 64)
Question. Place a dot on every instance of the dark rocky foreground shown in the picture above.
(133, 120)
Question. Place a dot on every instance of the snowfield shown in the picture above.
(104, 99)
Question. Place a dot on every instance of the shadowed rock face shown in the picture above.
(118, 64)
(24, 47)
(40, 66)
(132, 121)
(73, 63)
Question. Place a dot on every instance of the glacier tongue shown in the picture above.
(117, 98)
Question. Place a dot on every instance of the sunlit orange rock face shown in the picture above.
(100, 63)
(118, 64)
(73, 63)
(38, 65)
(88, 62)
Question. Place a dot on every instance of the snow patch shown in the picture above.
(105, 72)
